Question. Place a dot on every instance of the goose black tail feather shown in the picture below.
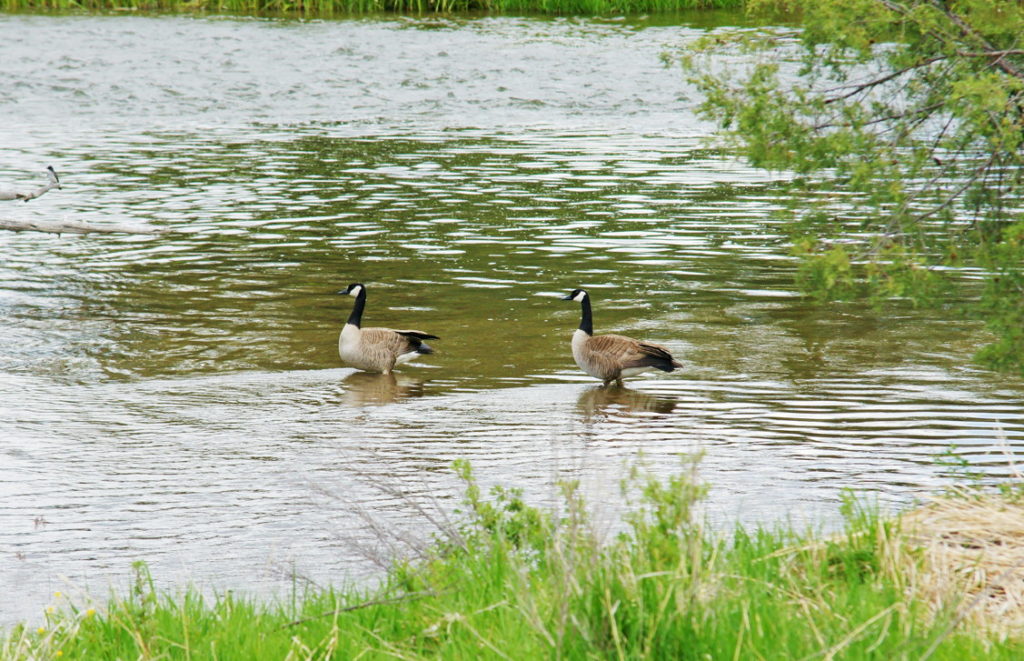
(656, 357)
(656, 362)
(417, 335)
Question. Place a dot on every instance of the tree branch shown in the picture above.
(51, 182)
(853, 89)
(878, 120)
(967, 30)
(956, 194)
(860, 87)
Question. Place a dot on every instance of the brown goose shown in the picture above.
(377, 349)
(611, 357)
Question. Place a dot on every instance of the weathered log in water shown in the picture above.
(74, 227)
(51, 182)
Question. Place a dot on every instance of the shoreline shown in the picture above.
(508, 580)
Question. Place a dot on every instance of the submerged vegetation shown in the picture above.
(326, 8)
(510, 581)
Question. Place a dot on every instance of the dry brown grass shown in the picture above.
(965, 551)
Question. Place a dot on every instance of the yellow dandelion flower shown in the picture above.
(41, 630)
(60, 653)
(57, 595)
(50, 609)
(90, 612)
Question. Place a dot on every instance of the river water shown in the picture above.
(178, 398)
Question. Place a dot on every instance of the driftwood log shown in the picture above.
(74, 227)
(51, 182)
(62, 226)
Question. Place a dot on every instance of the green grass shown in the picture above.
(509, 581)
(327, 8)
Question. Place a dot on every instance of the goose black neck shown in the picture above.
(587, 321)
(356, 318)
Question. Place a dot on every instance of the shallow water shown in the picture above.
(178, 398)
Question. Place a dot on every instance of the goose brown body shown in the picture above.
(612, 357)
(377, 349)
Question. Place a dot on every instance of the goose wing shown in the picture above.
(614, 347)
(388, 342)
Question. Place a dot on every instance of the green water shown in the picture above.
(469, 238)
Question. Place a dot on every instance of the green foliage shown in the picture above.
(915, 109)
(505, 518)
(826, 272)
(524, 583)
(663, 517)
(958, 465)
(971, 482)
(329, 8)
(1003, 298)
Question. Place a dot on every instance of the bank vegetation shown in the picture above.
(505, 580)
(338, 8)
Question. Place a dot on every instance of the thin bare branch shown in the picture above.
(878, 120)
(981, 169)
(874, 82)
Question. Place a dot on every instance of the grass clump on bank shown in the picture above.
(510, 581)
(328, 8)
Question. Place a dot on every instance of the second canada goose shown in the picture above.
(377, 349)
(611, 357)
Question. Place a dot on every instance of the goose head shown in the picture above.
(576, 295)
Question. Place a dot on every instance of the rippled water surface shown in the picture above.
(178, 398)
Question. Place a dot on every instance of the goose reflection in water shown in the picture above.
(368, 389)
(602, 402)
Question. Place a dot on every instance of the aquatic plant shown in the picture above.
(511, 581)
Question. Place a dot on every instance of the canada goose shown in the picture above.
(377, 349)
(611, 357)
